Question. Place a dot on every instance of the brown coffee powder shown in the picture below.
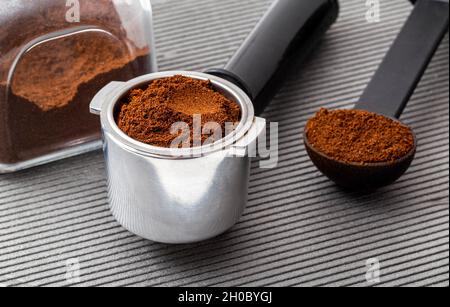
(45, 92)
(359, 136)
(74, 60)
(148, 114)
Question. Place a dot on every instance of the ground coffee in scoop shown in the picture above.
(359, 136)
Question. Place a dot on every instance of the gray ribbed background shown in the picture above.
(299, 229)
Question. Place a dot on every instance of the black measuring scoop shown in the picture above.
(389, 92)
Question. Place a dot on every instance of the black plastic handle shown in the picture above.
(398, 76)
(282, 40)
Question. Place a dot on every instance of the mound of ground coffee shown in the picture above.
(45, 92)
(73, 61)
(359, 136)
(148, 114)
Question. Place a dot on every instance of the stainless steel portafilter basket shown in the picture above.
(177, 195)
(188, 195)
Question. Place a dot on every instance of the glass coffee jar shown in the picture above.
(55, 55)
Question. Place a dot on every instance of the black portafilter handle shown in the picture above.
(404, 65)
(282, 40)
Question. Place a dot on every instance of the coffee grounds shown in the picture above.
(39, 72)
(44, 106)
(148, 114)
(32, 132)
(359, 136)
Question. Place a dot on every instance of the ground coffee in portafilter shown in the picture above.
(358, 136)
(45, 93)
(148, 114)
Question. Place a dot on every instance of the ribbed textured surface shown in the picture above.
(299, 229)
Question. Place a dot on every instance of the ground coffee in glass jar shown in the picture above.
(148, 114)
(359, 136)
(50, 69)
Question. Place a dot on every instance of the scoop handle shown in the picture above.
(400, 72)
(285, 36)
